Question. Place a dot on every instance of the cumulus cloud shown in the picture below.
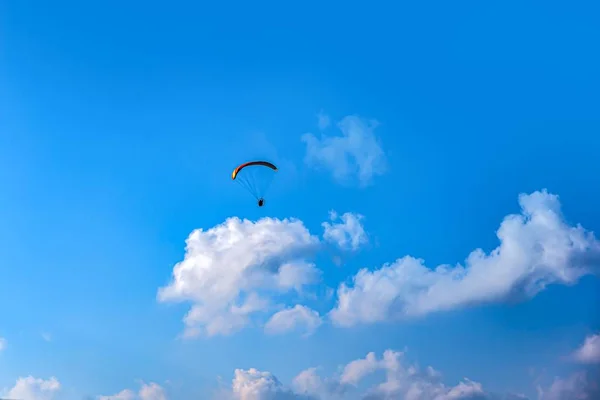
(355, 154)
(2, 343)
(537, 248)
(227, 268)
(589, 352)
(253, 384)
(405, 381)
(349, 233)
(30, 388)
(293, 318)
(148, 391)
(402, 381)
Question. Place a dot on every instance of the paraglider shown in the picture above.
(256, 177)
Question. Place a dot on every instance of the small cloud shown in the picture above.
(589, 352)
(2, 343)
(46, 336)
(122, 395)
(148, 391)
(323, 120)
(290, 319)
(329, 293)
(253, 384)
(347, 234)
(354, 155)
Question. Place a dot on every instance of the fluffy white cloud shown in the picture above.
(356, 154)
(407, 381)
(292, 318)
(537, 248)
(401, 382)
(227, 268)
(347, 234)
(589, 352)
(148, 391)
(257, 385)
(30, 388)
(2, 343)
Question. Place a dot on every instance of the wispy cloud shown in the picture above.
(354, 156)
(577, 386)
(323, 120)
(148, 391)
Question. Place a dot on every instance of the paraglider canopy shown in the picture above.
(255, 177)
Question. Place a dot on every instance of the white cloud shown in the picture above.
(3, 343)
(148, 391)
(46, 336)
(407, 381)
(356, 370)
(296, 275)
(577, 386)
(537, 248)
(152, 391)
(356, 154)
(253, 384)
(589, 352)
(310, 385)
(30, 388)
(292, 318)
(126, 394)
(401, 382)
(227, 268)
(308, 382)
(323, 120)
(222, 321)
(347, 234)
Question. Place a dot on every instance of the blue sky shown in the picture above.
(120, 125)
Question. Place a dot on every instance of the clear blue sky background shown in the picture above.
(120, 123)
